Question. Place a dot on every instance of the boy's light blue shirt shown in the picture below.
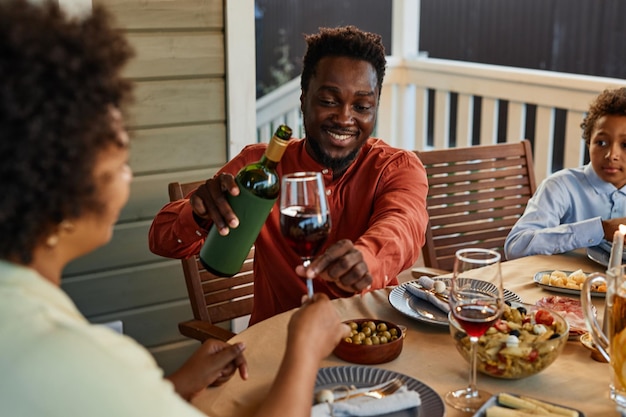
(565, 213)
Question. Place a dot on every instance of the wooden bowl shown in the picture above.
(371, 354)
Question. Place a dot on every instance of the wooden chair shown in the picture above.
(214, 299)
(475, 196)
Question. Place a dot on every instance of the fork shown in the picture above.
(380, 392)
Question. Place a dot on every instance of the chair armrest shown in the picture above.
(201, 330)
(429, 272)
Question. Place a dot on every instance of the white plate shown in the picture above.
(364, 376)
(482, 411)
(423, 311)
(563, 290)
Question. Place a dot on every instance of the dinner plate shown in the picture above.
(364, 376)
(598, 255)
(493, 400)
(423, 311)
(563, 290)
(607, 246)
(602, 253)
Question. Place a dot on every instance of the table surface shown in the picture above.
(429, 354)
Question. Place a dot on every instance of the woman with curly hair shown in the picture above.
(64, 179)
(580, 207)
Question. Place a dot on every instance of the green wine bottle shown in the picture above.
(259, 187)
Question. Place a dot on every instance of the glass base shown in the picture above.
(466, 400)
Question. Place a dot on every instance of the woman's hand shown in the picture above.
(315, 329)
(213, 363)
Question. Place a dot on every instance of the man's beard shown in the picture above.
(336, 164)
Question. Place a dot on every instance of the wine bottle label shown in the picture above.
(224, 255)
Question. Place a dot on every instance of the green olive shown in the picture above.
(368, 341)
(375, 340)
(383, 340)
(382, 327)
(393, 331)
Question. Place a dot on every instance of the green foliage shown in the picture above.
(283, 69)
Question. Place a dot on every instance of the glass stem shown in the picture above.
(471, 388)
(309, 281)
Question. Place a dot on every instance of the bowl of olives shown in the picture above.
(371, 341)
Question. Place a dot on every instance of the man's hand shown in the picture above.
(209, 202)
(342, 264)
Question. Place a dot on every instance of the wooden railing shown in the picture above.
(432, 103)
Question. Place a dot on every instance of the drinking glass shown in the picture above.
(304, 215)
(610, 339)
(476, 302)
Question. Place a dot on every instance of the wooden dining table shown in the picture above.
(429, 353)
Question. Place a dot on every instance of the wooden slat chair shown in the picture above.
(475, 196)
(214, 299)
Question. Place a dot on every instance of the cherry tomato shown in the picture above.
(533, 355)
(493, 370)
(502, 326)
(544, 317)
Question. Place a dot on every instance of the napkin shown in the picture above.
(427, 295)
(367, 406)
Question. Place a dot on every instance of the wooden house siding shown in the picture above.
(178, 124)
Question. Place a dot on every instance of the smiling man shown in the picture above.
(376, 193)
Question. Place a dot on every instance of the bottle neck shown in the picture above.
(268, 163)
(274, 152)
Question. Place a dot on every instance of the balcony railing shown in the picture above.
(432, 103)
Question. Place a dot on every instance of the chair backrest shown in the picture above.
(475, 196)
(214, 298)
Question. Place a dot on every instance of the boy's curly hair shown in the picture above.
(60, 78)
(609, 102)
(346, 41)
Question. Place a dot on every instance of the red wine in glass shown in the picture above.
(475, 300)
(304, 215)
(305, 230)
(475, 319)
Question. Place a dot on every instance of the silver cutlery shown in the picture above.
(379, 392)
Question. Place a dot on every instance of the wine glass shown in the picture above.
(476, 302)
(304, 215)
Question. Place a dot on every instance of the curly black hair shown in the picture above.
(348, 41)
(609, 102)
(60, 78)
